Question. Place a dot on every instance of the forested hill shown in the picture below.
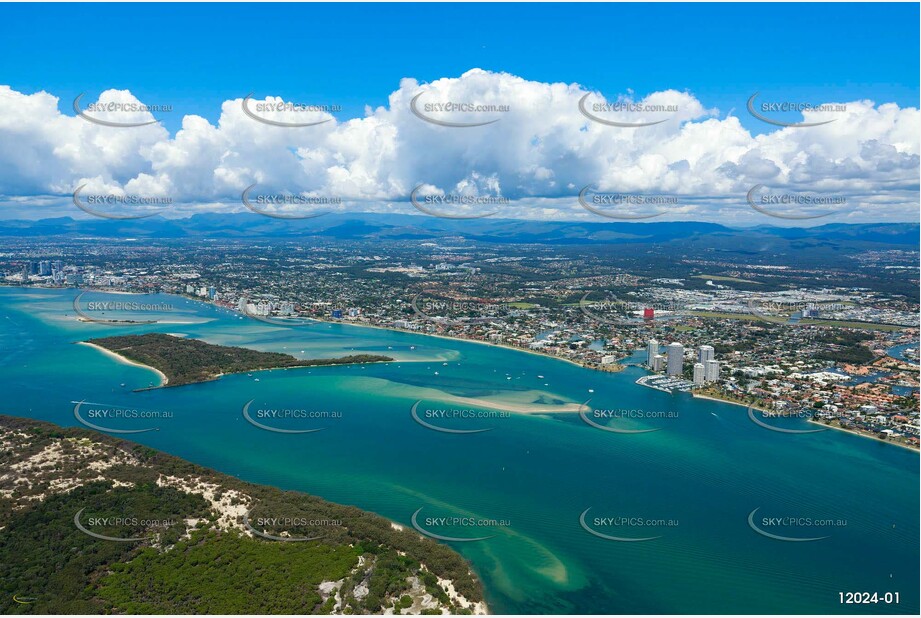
(92, 524)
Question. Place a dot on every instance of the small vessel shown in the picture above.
(436, 373)
(541, 377)
(591, 390)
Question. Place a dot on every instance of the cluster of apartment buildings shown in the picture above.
(706, 369)
(49, 271)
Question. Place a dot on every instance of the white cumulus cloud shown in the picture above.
(540, 151)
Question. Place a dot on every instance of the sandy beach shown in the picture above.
(127, 361)
(734, 403)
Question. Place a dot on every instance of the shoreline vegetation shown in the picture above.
(181, 360)
(186, 521)
(130, 351)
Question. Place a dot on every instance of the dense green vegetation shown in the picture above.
(186, 361)
(43, 555)
(185, 563)
(226, 574)
(845, 347)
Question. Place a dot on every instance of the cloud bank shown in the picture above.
(533, 145)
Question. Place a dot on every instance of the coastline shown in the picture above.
(412, 332)
(809, 420)
(464, 339)
(484, 404)
(514, 408)
(164, 381)
(616, 368)
(218, 376)
(702, 396)
(734, 403)
(864, 435)
(203, 481)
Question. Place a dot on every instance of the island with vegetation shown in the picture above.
(93, 524)
(182, 360)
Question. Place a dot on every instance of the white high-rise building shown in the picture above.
(699, 374)
(675, 355)
(652, 349)
(658, 362)
(704, 354)
(712, 371)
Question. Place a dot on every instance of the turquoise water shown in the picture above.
(704, 471)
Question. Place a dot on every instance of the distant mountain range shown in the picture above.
(408, 227)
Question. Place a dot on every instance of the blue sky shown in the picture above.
(701, 62)
(195, 56)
